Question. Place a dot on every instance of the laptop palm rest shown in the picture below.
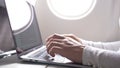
(41, 55)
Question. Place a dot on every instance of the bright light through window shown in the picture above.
(71, 9)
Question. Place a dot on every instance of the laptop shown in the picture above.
(29, 45)
(6, 41)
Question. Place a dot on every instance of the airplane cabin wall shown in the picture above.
(100, 25)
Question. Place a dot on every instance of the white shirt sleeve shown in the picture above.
(102, 55)
(114, 46)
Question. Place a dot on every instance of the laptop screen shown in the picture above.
(28, 36)
(6, 39)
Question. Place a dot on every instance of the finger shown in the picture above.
(58, 42)
(57, 36)
(52, 44)
(72, 36)
(74, 41)
(55, 50)
(54, 40)
(50, 37)
(67, 42)
(49, 42)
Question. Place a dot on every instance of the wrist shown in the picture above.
(81, 49)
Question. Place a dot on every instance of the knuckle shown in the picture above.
(53, 48)
(53, 43)
(54, 34)
(64, 39)
(71, 34)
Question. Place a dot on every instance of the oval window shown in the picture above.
(71, 9)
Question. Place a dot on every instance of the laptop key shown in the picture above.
(46, 56)
(38, 54)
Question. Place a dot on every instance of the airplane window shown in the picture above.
(71, 9)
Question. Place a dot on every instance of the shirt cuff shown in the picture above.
(89, 56)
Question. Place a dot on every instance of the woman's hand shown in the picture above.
(73, 37)
(65, 45)
(62, 36)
